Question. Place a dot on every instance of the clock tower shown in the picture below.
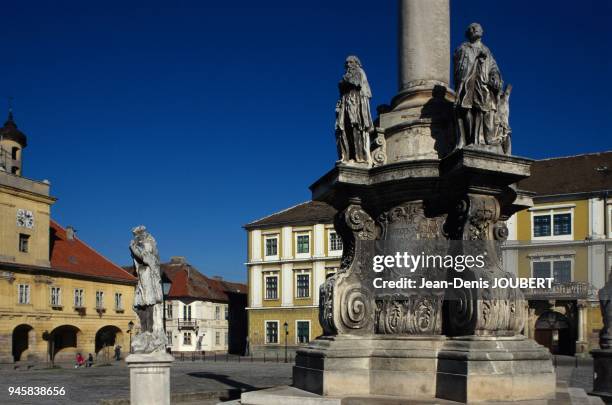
(25, 204)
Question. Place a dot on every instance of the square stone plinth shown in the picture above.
(149, 378)
(494, 369)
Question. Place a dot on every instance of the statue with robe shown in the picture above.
(605, 302)
(148, 298)
(353, 117)
(481, 103)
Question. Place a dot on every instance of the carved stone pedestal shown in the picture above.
(379, 365)
(149, 378)
(602, 374)
(485, 369)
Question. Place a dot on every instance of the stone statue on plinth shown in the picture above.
(148, 299)
(605, 301)
(353, 116)
(602, 357)
(481, 104)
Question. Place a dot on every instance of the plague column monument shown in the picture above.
(602, 357)
(438, 178)
(149, 363)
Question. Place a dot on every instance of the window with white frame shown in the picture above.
(271, 287)
(187, 313)
(24, 243)
(217, 312)
(226, 339)
(100, 299)
(271, 246)
(303, 331)
(559, 268)
(217, 338)
(335, 242)
(271, 332)
(23, 294)
(554, 224)
(169, 310)
(302, 243)
(302, 285)
(118, 301)
(169, 337)
(187, 338)
(56, 296)
(79, 298)
(226, 308)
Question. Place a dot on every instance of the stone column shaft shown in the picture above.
(424, 44)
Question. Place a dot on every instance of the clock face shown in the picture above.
(25, 218)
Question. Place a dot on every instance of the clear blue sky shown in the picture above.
(196, 117)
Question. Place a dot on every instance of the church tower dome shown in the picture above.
(12, 142)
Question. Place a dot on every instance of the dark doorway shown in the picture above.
(63, 337)
(552, 330)
(106, 337)
(21, 340)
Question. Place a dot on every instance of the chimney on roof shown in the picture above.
(70, 233)
(178, 260)
(218, 278)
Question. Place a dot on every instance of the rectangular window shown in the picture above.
(303, 244)
(226, 313)
(169, 313)
(187, 339)
(271, 332)
(562, 224)
(99, 299)
(541, 225)
(335, 241)
(303, 331)
(56, 296)
(24, 242)
(559, 269)
(187, 313)
(272, 246)
(271, 287)
(169, 337)
(550, 224)
(217, 313)
(303, 285)
(217, 338)
(118, 301)
(23, 294)
(78, 298)
(226, 339)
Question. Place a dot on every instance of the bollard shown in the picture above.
(264, 357)
(215, 357)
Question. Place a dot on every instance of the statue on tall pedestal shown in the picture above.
(605, 301)
(481, 104)
(353, 116)
(148, 299)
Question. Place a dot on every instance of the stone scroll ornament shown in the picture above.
(605, 301)
(482, 311)
(481, 103)
(148, 298)
(345, 305)
(353, 116)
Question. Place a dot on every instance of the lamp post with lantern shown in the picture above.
(286, 326)
(129, 331)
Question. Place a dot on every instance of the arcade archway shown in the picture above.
(107, 337)
(64, 342)
(553, 330)
(23, 339)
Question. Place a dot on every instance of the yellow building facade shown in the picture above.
(566, 235)
(58, 296)
(290, 254)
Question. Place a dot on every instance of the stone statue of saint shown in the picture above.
(479, 92)
(353, 116)
(605, 302)
(148, 299)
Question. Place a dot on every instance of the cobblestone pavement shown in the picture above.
(90, 385)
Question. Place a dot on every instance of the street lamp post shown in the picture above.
(129, 331)
(286, 325)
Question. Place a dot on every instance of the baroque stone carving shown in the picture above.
(148, 298)
(353, 116)
(345, 305)
(408, 220)
(483, 311)
(413, 315)
(481, 104)
(379, 151)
